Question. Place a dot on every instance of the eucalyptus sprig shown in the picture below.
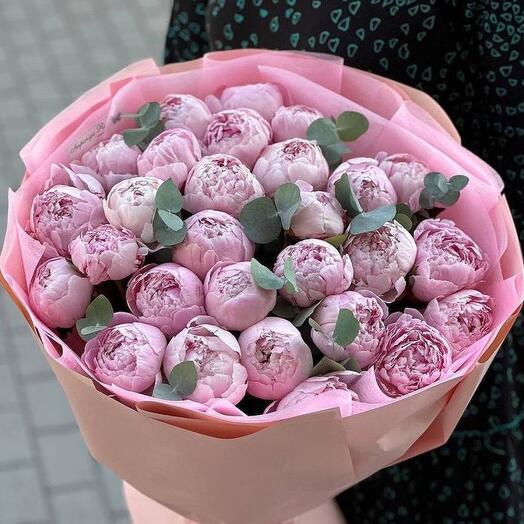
(327, 365)
(439, 190)
(264, 218)
(98, 316)
(346, 329)
(168, 228)
(147, 119)
(266, 279)
(332, 133)
(182, 382)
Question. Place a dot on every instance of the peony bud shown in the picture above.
(222, 183)
(170, 155)
(463, 317)
(61, 213)
(407, 174)
(448, 260)
(59, 294)
(167, 296)
(242, 133)
(107, 253)
(185, 111)
(293, 122)
(319, 215)
(370, 184)
(131, 205)
(291, 161)
(216, 355)
(370, 312)
(414, 355)
(127, 355)
(234, 299)
(212, 236)
(381, 260)
(78, 176)
(276, 358)
(320, 271)
(265, 99)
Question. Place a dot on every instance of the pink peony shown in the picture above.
(61, 213)
(369, 182)
(291, 161)
(265, 99)
(276, 358)
(216, 355)
(463, 317)
(212, 236)
(170, 154)
(167, 296)
(319, 215)
(107, 253)
(448, 260)
(127, 355)
(414, 355)
(406, 173)
(370, 312)
(234, 299)
(78, 176)
(131, 205)
(185, 111)
(59, 294)
(242, 133)
(320, 271)
(222, 183)
(293, 122)
(381, 260)
(113, 160)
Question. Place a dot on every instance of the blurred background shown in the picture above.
(51, 51)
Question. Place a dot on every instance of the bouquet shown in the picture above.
(262, 274)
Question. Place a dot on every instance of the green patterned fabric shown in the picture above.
(468, 55)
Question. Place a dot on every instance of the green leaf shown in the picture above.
(264, 277)
(261, 220)
(165, 392)
(458, 182)
(436, 183)
(337, 240)
(133, 137)
(87, 330)
(326, 365)
(148, 115)
(97, 317)
(315, 325)
(287, 201)
(304, 314)
(284, 309)
(404, 221)
(351, 125)
(183, 378)
(426, 200)
(164, 234)
(346, 196)
(404, 209)
(289, 276)
(171, 220)
(346, 328)
(449, 198)
(333, 153)
(324, 131)
(168, 197)
(153, 132)
(350, 364)
(372, 220)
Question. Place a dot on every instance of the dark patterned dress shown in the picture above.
(469, 55)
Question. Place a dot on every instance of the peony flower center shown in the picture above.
(232, 283)
(212, 228)
(224, 127)
(54, 206)
(296, 148)
(105, 238)
(309, 259)
(272, 356)
(158, 292)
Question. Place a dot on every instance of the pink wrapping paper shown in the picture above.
(219, 450)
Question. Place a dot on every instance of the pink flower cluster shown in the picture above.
(201, 299)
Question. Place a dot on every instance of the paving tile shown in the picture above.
(9, 398)
(21, 497)
(15, 446)
(112, 486)
(79, 506)
(48, 405)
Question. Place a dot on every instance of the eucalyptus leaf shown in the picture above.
(165, 392)
(350, 364)
(458, 182)
(404, 209)
(315, 325)
(289, 276)
(436, 183)
(171, 220)
(183, 378)
(87, 330)
(98, 316)
(449, 198)
(346, 196)
(264, 277)
(333, 153)
(164, 234)
(372, 220)
(346, 328)
(324, 131)
(351, 125)
(135, 136)
(284, 309)
(168, 197)
(261, 220)
(287, 201)
(425, 200)
(337, 240)
(158, 128)
(149, 114)
(304, 314)
(326, 365)
(404, 221)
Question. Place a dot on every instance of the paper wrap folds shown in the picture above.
(216, 465)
